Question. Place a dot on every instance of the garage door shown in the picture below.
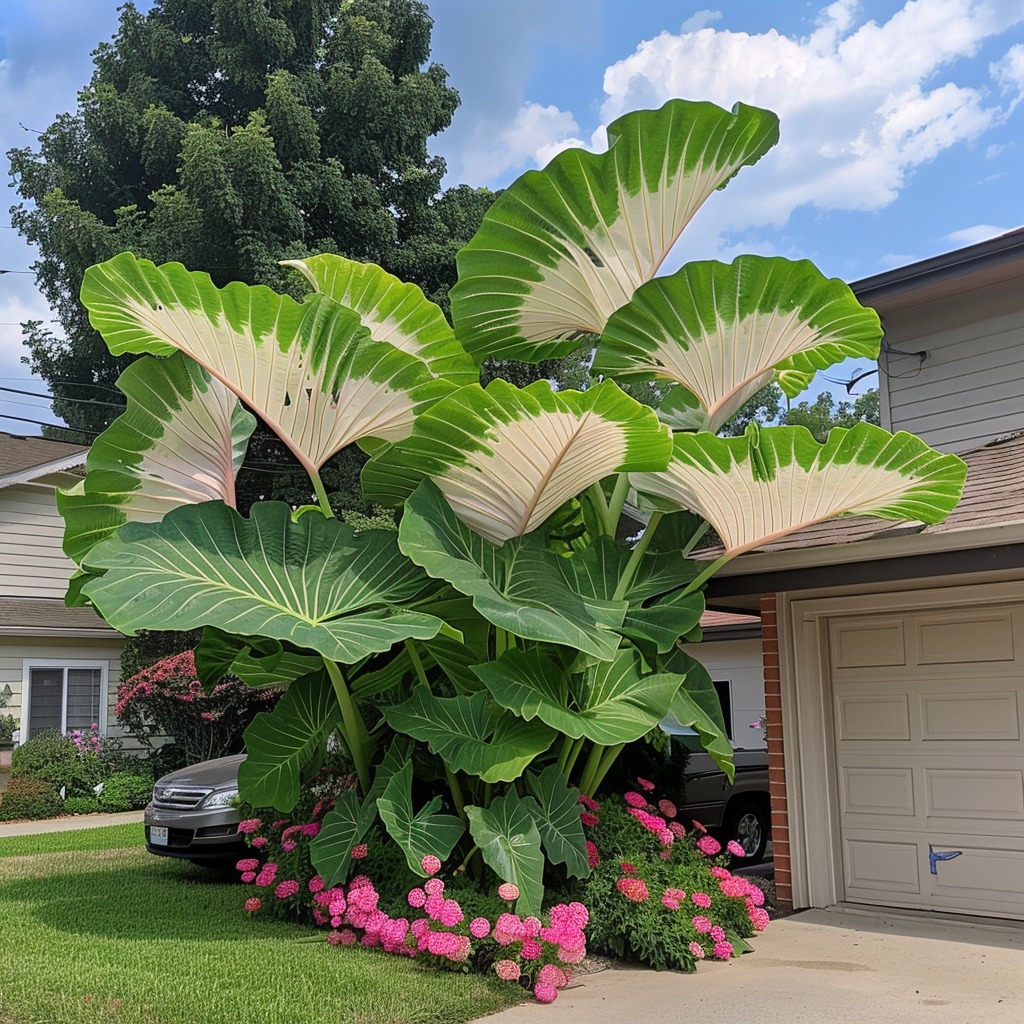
(930, 758)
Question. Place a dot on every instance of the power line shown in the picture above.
(62, 398)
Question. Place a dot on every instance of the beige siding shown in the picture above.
(32, 563)
(15, 651)
(968, 390)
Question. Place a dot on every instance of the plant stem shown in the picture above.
(697, 534)
(570, 763)
(619, 494)
(456, 791)
(466, 859)
(697, 582)
(417, 662)
(353, 727)
(608, 758)
(637, 554)
(321, 494)
(600, 503)
(590, 770)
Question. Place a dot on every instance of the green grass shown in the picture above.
(109, 837)
(119, 936)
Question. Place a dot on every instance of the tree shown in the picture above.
(230, 135)
(821, 415)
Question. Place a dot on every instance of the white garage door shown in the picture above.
(928, 738)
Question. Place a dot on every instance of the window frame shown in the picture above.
(28, 664)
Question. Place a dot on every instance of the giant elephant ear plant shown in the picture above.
(503, 639)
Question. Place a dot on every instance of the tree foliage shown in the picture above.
(229, 135)
(768, 407)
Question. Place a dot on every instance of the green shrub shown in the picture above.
(30, 798)
(80, 805)
(125, 792)
(76, 763)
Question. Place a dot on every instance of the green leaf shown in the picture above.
(345, 825)
(555, 808)
(393, 311)
(506, 458)
(279, 742)
(774, 480)
(314, 583)
(509, 842)
(310, 370)
(608, 703)
(470, 734)
(697, 704)
(723, 331)
(180, 440)
(520, 587)
(258, 662)
(425, 832)
(561, 249)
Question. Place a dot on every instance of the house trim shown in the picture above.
(33, 473)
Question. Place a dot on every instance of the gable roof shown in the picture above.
(26, 458)
(49, 616)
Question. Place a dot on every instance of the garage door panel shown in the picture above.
(881, 866)
(888, 791)
(971, 793)
(962, 639)
(868, 643)
(970, 715)
(873, 717)
(982, 879)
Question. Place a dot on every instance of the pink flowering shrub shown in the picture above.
(660, 891)
(168, 700)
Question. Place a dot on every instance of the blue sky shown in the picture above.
(902, 134)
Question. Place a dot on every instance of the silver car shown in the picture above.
(193, 816)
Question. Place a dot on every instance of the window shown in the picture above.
(723, 687)
(64, 696)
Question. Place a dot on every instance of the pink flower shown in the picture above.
(479, 927)
(593, 857)
(434, 906)
(723, 950)
(433, 887)
(717, 933)
(633, 889)
(670, 903)
(248, 876)
(286, 889)
(676, 829)
(544, 993)
(253, 904)
(572, 954)
(666, 837)
(288, 845)
(698, 826)
(507, 970)
(697, 950)
(248, 864)
(701, 899)
(735, 849)
(334, 938)
(430, 864)
(259, 842)
(720, 872)
(348, 937)
(249, 825)
(591, 805)
(667, 808)
(676, 894)
(312, 829)
(588, 819)
(759, 918)
(701, 924)
(359, 852)
(451, 914)
(552, 974)
(316, 884)
(508, 891)
(644, 784)
(635, 799)
(755, 896)
(736, 887)
(627, 868)
(665, 854)
(709, 845)
(267, 874)
(531, 949)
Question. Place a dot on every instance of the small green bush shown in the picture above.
(80, 805)
(125, 791)
(30, 798)
(76, 763)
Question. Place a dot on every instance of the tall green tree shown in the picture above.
(232, 135)
(824, 413)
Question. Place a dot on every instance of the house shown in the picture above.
(62, 664)
(894, 653)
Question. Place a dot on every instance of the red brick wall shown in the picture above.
(776, 751)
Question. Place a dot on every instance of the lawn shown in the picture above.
(96, 929)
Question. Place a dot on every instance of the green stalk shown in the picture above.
(618, 499)
(600, 503)
(352, 725)
(697, 534)
(462, 866)
(321, 494)
(635, 557)
(590, 770)
(705, 574)
(456, 791)
(608, 758)
(417, 662)
(563, 756)
(574, 754)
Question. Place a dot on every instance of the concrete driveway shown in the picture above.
(837, 966)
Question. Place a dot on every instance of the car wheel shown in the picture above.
(748, 824)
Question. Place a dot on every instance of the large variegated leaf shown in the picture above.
(510, 845)
(561, 249)
(772, 481)
(344, 826)
(611, 702)
(723, 331)
(393, 311)
(697, 704)
(421, 833)
(470, 734)
(180, 440)
(555, 807)
(506, 458)
(520, 587)
(310, 370)
(279, 742)
(313, 582)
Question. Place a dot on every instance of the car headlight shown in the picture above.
(222, 798)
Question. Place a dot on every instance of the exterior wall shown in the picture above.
(776, 752)
(739, 663)
(967, 390)
(15, 651)
(32, 563)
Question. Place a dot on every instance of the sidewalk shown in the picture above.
(69, 824)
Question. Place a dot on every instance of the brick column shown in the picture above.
(776, 755)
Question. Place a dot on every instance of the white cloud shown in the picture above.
(535, 134)
(974, 234)
(699, 20)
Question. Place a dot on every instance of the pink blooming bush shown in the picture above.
(167, 699)
(660, 891)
